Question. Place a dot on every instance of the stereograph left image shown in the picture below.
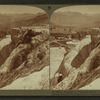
(24, 48)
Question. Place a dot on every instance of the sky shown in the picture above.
(11, 9)
(89, 9)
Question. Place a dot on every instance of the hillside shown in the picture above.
(37, 20)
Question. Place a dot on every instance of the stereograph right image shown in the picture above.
(75, 48)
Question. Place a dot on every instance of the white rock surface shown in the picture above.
(95, 85)
(5, 41)
(36, 80)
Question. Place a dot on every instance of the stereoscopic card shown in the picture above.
(49, 50)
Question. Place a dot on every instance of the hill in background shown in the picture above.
(26, 19)
(75, 19)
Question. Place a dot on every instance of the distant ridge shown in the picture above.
(76, 19)
(26, 19)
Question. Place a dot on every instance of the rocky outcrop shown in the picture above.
(25, 59)
(65, 66)
(84, 75)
